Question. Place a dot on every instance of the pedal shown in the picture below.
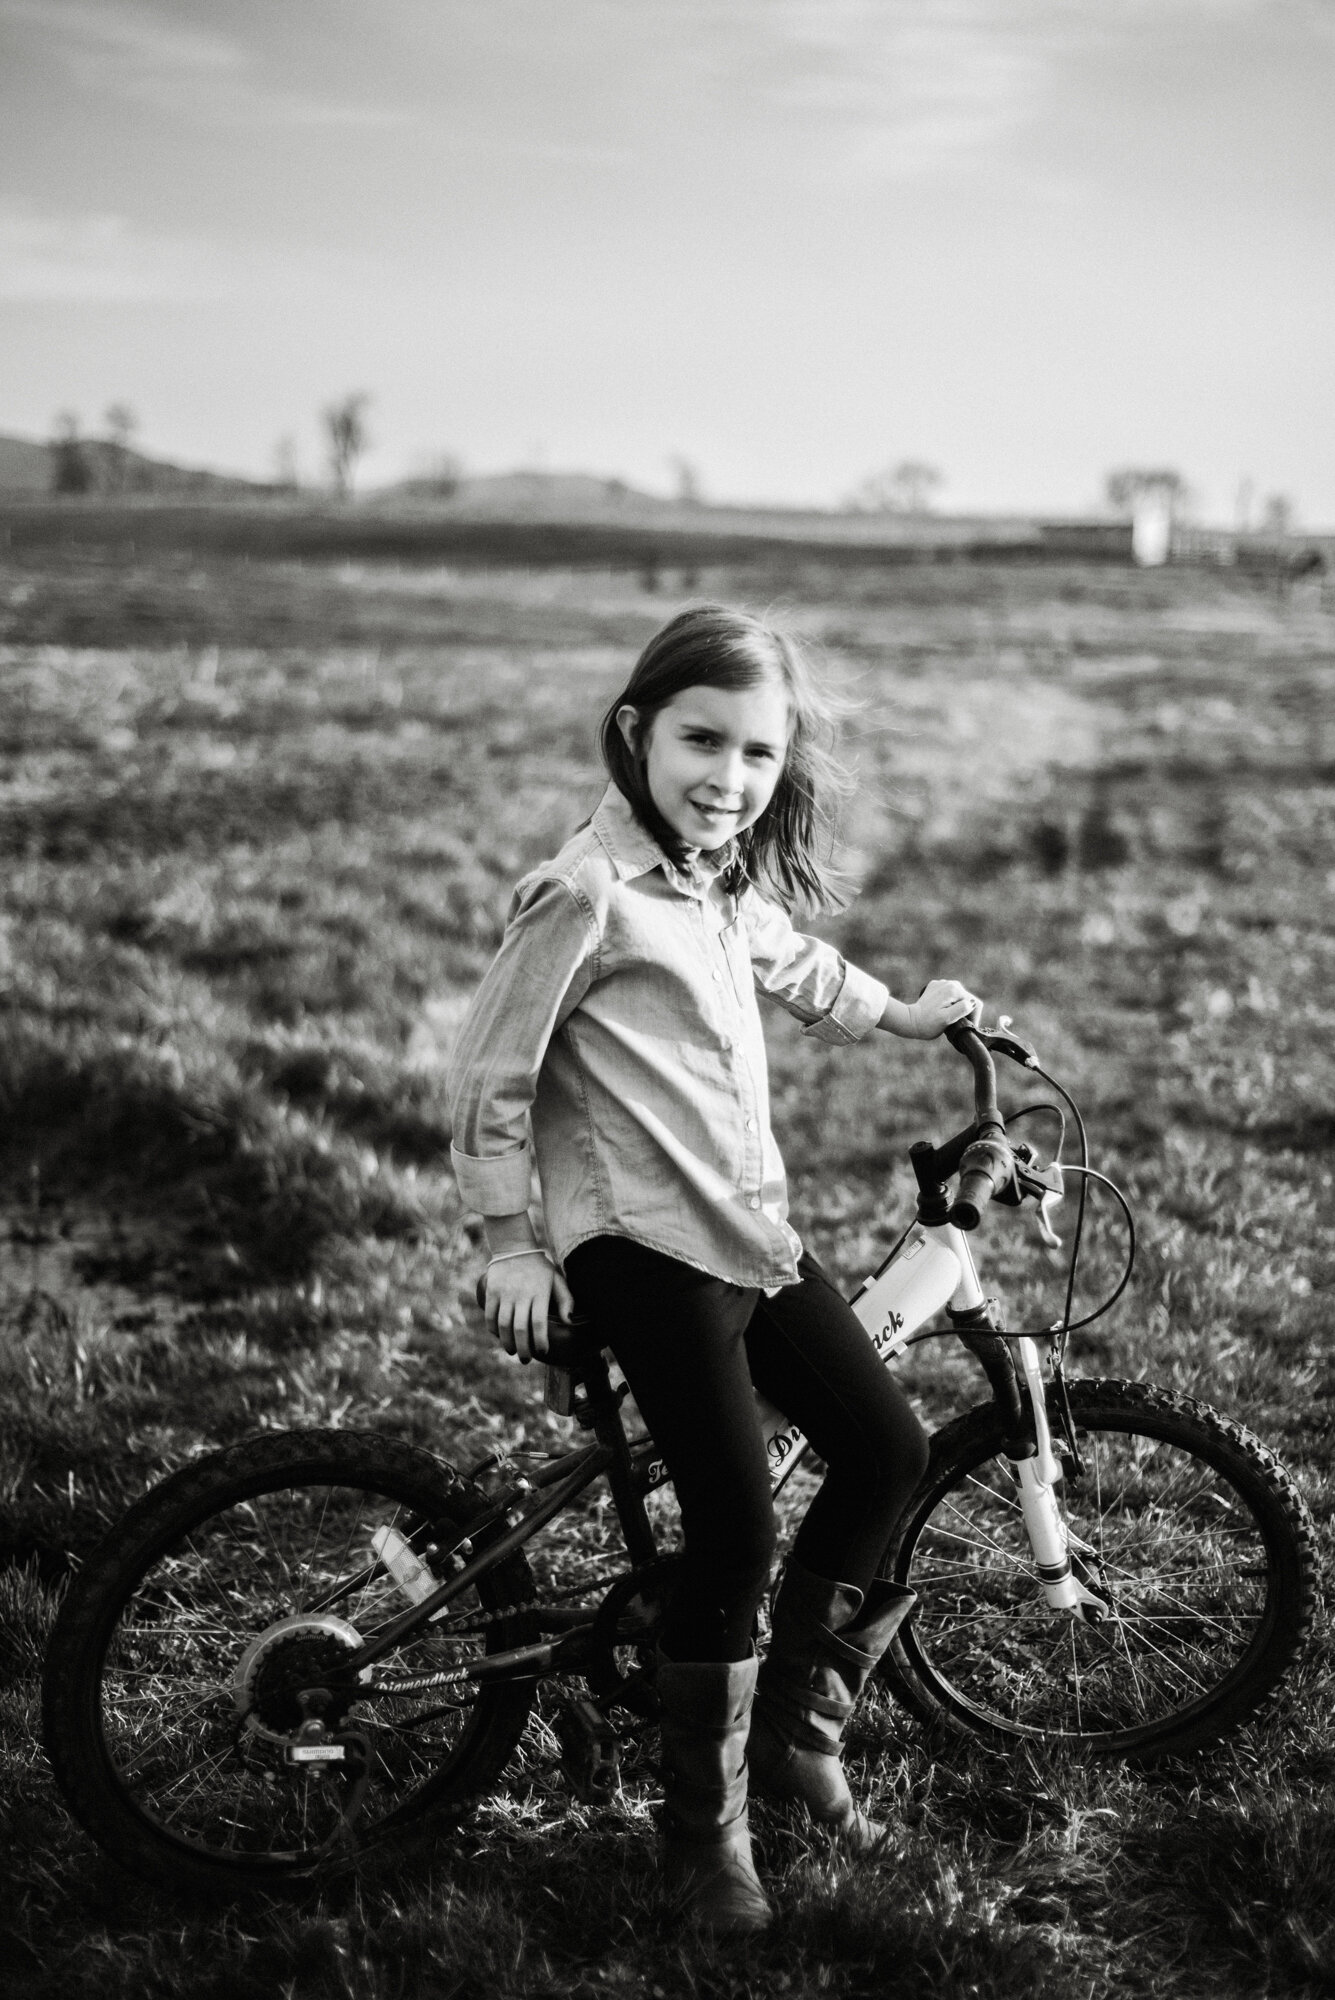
(590, 1751)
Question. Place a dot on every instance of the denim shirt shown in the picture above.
(616, 1039)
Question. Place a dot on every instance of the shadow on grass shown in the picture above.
(240, 1199)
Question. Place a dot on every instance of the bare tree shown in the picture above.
(1242, 503)
(686, 478)
(443, 476)
(906, 488)
(121, 424)
(286, 472)
(914, 485)
(1277, 514)
(1132, 483)
(1154, 498)
(71, 471)
(347, 438)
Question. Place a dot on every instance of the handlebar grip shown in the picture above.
(480, 1291)
(959, 1037)
(986, 1166)
(975, 1192)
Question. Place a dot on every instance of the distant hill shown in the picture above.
(527, 516)
(580, 499)
(532, 496)
(24, 467)
(540, 501)
(27, 471)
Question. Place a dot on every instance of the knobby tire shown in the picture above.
(1187, 1527)
(140, 1711)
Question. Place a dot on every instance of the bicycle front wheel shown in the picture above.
(177, 1692)
(1190, 1537)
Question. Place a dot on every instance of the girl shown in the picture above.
(616, 1042)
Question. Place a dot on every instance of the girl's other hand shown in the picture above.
(942, 1004)
(521, 1290)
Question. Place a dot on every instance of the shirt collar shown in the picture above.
(634, 851)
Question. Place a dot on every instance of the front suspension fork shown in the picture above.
(1038, 1469)
(1038, 1476)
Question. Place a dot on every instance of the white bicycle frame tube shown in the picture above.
(927, 1269)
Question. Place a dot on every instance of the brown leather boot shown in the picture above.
(825, 1640)
(706, 1712)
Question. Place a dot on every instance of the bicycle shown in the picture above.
(292, 1647)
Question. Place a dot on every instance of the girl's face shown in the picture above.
(713, 757)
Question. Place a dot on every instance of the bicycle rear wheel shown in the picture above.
(172, 1693)
(1185, 1526)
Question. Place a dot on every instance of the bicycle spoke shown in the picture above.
(1168, 1545)
(205, 1570)
(353, 1530)
(977, 1538)
(316, 1540)
(176, 1738)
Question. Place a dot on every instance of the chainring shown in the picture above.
(623, 1639)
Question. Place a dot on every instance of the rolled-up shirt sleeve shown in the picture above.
(835, 1001)
(541, 972)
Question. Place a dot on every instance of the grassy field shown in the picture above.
(259, 821)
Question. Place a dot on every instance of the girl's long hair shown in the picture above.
(789, 848)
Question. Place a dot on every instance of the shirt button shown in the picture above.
(750, 1124)
(753, 1201)
(718, 975)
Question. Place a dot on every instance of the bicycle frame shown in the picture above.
(927, 1269)
(931, 1267)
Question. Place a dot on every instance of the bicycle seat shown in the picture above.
(571, 1346)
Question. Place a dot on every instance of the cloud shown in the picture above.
(69, 258)
(118, 43)
(103, 257)
(131, 50)
(912, 87)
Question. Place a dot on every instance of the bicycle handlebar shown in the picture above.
(966, 1040)
(987, 1164)
(986, 1168)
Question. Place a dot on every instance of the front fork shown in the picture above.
(1038, 1471)
(1038, 1478)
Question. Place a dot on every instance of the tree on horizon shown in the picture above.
(347, 438)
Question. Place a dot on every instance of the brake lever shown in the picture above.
(1054, 1185)
(1045, 1228)
(1005, 1043)
(1048, 1186)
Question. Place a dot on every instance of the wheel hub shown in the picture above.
(293, 1655)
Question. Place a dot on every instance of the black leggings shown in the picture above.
(694, 1349)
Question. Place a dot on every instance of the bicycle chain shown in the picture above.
(476, 1623)
(476, 1627)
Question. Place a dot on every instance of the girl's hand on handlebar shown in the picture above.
(942, 1004)
(521, 1290)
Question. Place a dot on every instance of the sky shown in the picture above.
(791, 242)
